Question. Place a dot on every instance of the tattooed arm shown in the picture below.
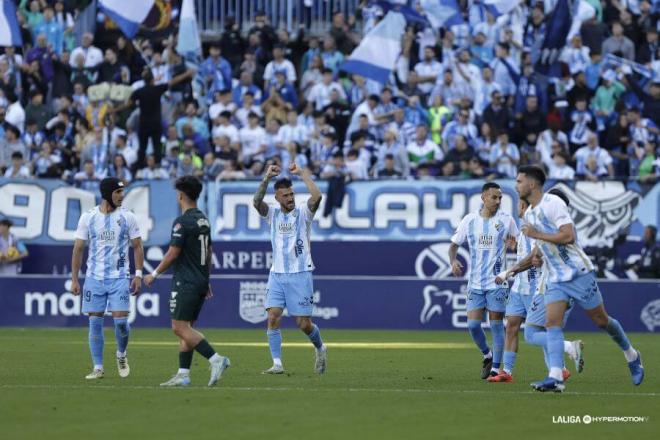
(258, 200)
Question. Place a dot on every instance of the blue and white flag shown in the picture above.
(189, 44)
(614, 62)
(500, 7)
(128, 14)
(558, 27)
(10, 32)
(442, 13)
(409, 13)
(376, 55)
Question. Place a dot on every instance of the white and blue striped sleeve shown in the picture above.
(133, 226)
(82, 231)
(269, 216)
(558, 213)
(460, 235)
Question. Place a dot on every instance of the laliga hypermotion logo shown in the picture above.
(651, 315)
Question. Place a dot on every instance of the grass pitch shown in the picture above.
(379, 385)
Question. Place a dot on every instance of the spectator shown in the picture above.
(9, 145)
(331, 57)
(461, 126)
(211, 167)
(504, 156)
(619, 43)
(91, 55)
(648, 265)
(592, 161)
(559, 168)
(119, 169)
(231, 172)
(319, 94)
(18, 169)
(253, 141)
(216, 70)
(110, 68)
(47, 164)
(423, 150)
(152, 171)
(496, 113)
(356, 169)
(195, 122)
(388, 170)
(391, 147)
(52, 29)
(279, 64)
(428, 70)
(12, 250)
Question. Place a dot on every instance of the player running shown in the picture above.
(487, 233)
(109, 229)
(290, 278)
(570, 276)
(190, 252)
(526, 304)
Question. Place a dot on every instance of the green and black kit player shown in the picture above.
(190, 253)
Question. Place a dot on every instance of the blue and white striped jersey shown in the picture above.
(108, 237)
(486, 239)
(526, 283)
(290, 238)
(563, 262)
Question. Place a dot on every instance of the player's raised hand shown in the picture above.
(456, 268)
(136, 284)
(272, 171)
(294, 169)
(148, 280)
(209, 294)
(75, 287)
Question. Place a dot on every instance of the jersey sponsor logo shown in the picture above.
(650, 315)
(173, 302)
(106, 236)
(300, 245)
(252, 301)
(285, 228)
(121, 262)
(485, 241)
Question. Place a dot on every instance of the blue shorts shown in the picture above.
(294, 291)
(113, 293)
(583, 289)
(518, 304)
(493, 300)
(536, 311)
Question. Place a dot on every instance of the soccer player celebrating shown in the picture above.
(109, 229)
(487, 232)
(526, 304)
(190, 252)
(570, 276)
(290, 278)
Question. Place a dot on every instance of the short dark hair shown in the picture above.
(283, 183)
(561, 194)
(190, 186)
(533, 172)
(17, 155)
(489, 185)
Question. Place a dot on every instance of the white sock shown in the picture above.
(556, 373)
(98, 367)
(507, 371)
(568, 349)
(215, 358)
(630, 354)
(489, 355)
(277, 362)
(121, 354)
(185, 371)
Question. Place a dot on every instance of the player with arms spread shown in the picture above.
(290, 279)
(190, 252)
(109, 229)
(487, 232)
(570, 275)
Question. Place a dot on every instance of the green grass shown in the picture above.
(430, 391)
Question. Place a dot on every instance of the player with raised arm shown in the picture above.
(526, 304)
(109, 229)
(290, 278)
(190, 252)
(570, 276)
(487, 232)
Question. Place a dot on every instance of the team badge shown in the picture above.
(176, 227)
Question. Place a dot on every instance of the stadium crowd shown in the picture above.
(464, 102)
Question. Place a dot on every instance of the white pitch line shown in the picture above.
(313, 390)
(350, 345)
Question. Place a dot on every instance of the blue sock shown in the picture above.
(478, 335)
(509, 361)
(497, 329)
(546, 357)
(122, 329)
(96, 339)
(275, 343)
(555, 347)
(315, 337)
(535, 335)
(615, 330)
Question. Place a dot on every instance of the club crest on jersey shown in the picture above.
(203, 222)
(499, 226)
(176, 227)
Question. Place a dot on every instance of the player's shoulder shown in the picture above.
(469, 217)
(552, 201)
(127, 214)
(89, 213)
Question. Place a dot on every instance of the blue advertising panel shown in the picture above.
(340, 302)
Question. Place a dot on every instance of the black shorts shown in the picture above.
(186, 301)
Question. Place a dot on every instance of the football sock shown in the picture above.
(615, 330)
(122, 330)
(509, 361)
(478, 335)
(185, 360)
(205, 349)
(275, 344)
(96, 340)
(315, 337)
(497, 329)
(555, 346)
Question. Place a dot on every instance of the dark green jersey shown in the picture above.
(192, 233)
